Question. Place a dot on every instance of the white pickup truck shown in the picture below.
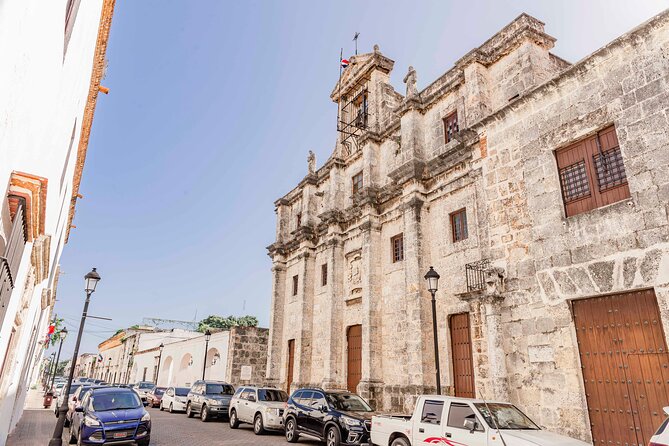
(454, 421)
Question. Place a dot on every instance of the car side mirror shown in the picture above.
(470, 425)
(79, 409)
(145, 403)
(323, 408)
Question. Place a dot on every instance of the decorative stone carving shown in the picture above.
(311, 162)
(410, 80)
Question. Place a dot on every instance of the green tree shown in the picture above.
(226, 323)
(58, 328)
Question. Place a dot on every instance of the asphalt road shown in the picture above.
(176, 430)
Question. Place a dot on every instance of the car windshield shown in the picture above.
(116, 401)
(159, 390)
(272, 395)
(349, 402)
(73, 388)
(505, 416)
(181, 391)
(220, 389)
(145, 386)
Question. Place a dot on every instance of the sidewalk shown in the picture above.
(36, 425)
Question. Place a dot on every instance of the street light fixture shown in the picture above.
(91, 281)
(207, 336)
(432, 278)
(160, 356)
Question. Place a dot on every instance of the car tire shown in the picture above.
(204, 413)
(401, 441)
(67, 422)
(291, 431)
(332, 436)
(171, 409)
(234, 421)
(258, 425)
(144, 441)
(73, 439)
(189, 411)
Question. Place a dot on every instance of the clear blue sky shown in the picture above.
(212, 110)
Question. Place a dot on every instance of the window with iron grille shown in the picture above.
(299, 219)
(592, 173)
(324, 274)
(295, 285)
(357, 183)
(451, 127)
(397, 247)
(459, 225)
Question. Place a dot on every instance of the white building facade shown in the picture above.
(53, 57)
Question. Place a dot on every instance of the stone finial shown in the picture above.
(410, 80)
(311, 162)
(376, 49)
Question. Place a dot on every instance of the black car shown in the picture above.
(336, 417)
(210, 399)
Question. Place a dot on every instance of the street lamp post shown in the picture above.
(108, 367)
(207, 336)
(432, 285)
(127, 372)
(160, 356)
(92, 279)
(47, 372)
(63, 335)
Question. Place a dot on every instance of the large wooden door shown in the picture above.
(461, 347)
(623, 357)
(354, 341)
(291, 364)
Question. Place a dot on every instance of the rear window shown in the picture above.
(181, 391)
(159, 391)
(432, 411)
(272, 395)
(220, 389)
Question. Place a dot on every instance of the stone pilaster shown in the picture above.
(371, 385)
(305, 297)
(274, 354)
(332, 373)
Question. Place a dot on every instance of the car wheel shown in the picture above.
(333, 438)
(258, 426)
(204, 413)
(73, 439)
(401, 441)
(143, 442)
(291, 431)
(189, 411)
(171, 409)
(234, 421)
(67, 422)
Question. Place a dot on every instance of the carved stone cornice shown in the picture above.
(411, 170)
(454, 153)
(412, 103)
(39, 257)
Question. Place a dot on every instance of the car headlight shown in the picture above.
(90, 421)
(351, 421)
(146, 417)
(213, 402)
(271, 411)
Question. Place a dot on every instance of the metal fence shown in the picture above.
(476, 272)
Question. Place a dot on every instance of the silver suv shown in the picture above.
(261, 406)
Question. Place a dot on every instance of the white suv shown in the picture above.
(261, 406)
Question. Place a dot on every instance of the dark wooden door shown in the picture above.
(354, 340)
(291, 364)
(461, 347)
(623, 357)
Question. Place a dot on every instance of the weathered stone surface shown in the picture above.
(650, 265)
(602, 274)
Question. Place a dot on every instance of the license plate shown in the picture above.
(119, 435)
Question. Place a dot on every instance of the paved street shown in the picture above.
(36, 427)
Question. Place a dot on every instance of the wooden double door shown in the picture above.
(625, 366)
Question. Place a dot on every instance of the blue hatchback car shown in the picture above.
(111, 415)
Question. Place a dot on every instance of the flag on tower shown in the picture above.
(344, 63)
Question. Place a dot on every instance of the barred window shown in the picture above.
(574, 181)
(295, 285)
(592, 173)
(324, 274)
(397, 247)
(451, 127)
(357, 183)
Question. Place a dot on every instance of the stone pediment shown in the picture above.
(359, 69)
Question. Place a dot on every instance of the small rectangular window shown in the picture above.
(294, 285)
(299, 219)
(397, 247)
(432, 411)
(357, 183)
(451, 127)
(459, 225)
(324, 274)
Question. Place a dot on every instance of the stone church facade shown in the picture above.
(539, 191)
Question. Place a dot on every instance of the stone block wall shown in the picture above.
(247, 348)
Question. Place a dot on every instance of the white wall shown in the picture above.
(43, 95)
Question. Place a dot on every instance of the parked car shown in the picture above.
(661, 437)
(210, 399)
(336, 417)
(61, 397)
(175, 399)
(57, 387)
(467, 421)
(154, 396)
(111, 415)
(142, 387)
(261, 406)
(75, 401)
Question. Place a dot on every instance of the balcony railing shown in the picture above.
(476, 274)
